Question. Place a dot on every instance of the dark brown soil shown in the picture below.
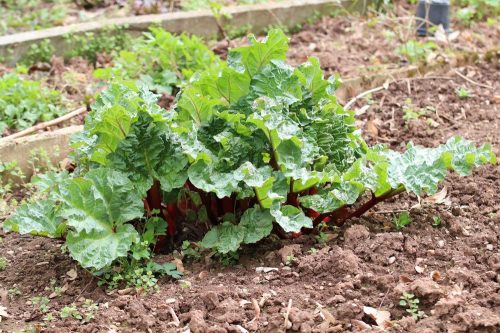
(364, 46)
(453, 269)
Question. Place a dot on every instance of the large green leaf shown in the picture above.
(98, 249)
(101, 201)
(40, 217)
(257, 222)
(148, 153)
(224, 238)
(254, 57)
(276, 81)
(203, 176)
(290, 218)
(310, 75)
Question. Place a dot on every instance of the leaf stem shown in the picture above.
(344, 213)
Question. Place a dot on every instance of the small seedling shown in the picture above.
(290, 260)
(436, 221)
(70, 311)
(416, 51)
(312, 250)
(190, 251)
(410, 302)
(48, 317)
(402, 220)
(410, 113)
(13, 293)
(3, 264)
(42, 302)
(463, 93)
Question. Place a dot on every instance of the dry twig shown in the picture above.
(287, 314)
(472, 81)
(44, 125)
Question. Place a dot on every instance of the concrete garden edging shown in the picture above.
(202, 23)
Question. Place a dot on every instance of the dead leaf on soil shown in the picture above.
(72, 274)
(438, 198)
(496, 99)
(179, 265)
(61, 291)
(419, 269)
(328, 316)
(360, 325)
(441, 36)
(289, 250)
(362, 110)
(435, 275)
(371, 128)
(3, 312)
(405, 279)
(381, 317)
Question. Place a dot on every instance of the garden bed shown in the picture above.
(451, 268)
(332, 279)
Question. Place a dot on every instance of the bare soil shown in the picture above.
(356, 46)
(453, 269)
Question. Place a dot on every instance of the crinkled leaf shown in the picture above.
(98, 249)
(40, 218)
(100, 201)
(273, 190)
(290, 218)
(257, 222)
(224, 238)
(258, 54)
(203, 176)
(276, 81)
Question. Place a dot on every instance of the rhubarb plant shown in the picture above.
(251, 147)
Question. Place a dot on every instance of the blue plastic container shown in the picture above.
(436, 12)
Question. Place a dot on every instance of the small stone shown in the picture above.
(489, 247)
(441, 243)
(455, 211)
(266, 269)
(391, 260)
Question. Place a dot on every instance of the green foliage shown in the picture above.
(88, 45)
(160, 61)
(41, 302)
(463, 93)
(39, 52)
(25, 102)
(3, 264)
(476, 10)
(410, 113)
(436, 221)
(261, 145)
(401, 221)
(19, 15)
(416, 51)
(411, 303)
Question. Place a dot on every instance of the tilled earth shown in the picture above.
(453, 269)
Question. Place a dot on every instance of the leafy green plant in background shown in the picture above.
(89, 45)
(39, 52)
(29, 15)
(416, 51)
(25, 102)
(476, 10)
(160, 61)
(253, 145)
